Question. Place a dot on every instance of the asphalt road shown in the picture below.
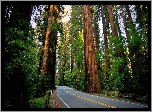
(70, 98)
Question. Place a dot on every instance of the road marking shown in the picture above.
(137, 104)
(127, 102)
(109, 106)
(111, 99)
(142, 105)
(94, 101)
(97, 96)
(132, 103)
(122, 101)
(105, 104)
(113, 107)
(63, 101)
(117, 100)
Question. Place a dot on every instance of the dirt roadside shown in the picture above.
(56, 102)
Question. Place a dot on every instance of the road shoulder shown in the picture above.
(56, 103)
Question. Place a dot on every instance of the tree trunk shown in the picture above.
(105, 41)
(117, 23)
(47, 43)
(127, 34)
(49, 57)
(96, 36)
(78, 67)
(53, 43)
(92, 77)
(111, 21)
(72, 61)
(114, 33)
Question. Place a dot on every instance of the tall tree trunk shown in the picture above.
(53, 43)
(78, 67)
(47, 43)
(72, 61)
(105, 41)
(142, 17)
(121, 51)
(96, 36)
(64, 69)
(49, 56)
(127, 34)
(114, 33)
(92, 77)
(117, 23)
(124, 20)
(52, 58)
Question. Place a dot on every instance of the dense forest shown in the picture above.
(100, 49)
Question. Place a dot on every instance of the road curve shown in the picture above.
(70, 98)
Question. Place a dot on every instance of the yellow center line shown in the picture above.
(110, 106)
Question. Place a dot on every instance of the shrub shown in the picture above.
(42, 102)
(38, 102)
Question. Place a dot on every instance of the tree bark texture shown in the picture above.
(111, 21)
(46, 44)
(49, 56)
(92, 77)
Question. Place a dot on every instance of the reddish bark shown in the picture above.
(92, 77)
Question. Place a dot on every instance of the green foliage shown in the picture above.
(38, 103)
(8, 104)
(38, 85)
(74, 79)
(41, 102)
(19, 53)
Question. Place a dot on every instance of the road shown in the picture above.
(70, 98)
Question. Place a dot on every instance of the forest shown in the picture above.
(98, 49)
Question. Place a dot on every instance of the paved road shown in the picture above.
(70, 98)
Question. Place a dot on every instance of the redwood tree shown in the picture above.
(91, 71)
(49, 55)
